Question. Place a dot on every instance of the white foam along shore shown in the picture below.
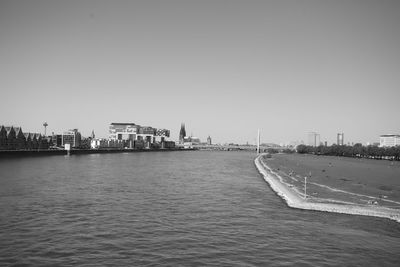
(295, 200)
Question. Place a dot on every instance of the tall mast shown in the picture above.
(45, 126)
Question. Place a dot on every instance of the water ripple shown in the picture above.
(169, 209)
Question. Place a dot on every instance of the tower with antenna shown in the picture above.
(45, 127)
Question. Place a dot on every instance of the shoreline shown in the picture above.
(294, 200)
(55, 152)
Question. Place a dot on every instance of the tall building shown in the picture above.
(123, 131)
(133, 135)
(313, 139)
(388, 140)
(340, 139)
(182, 133)
(209, 140)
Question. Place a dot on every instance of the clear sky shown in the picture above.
(225, 68)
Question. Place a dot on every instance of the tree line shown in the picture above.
(355, 151)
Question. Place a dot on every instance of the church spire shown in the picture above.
(182, 133)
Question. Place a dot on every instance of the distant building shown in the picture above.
(163, 132)
(209, 140)
(161, 136)
(187, 141)
(182, 133)
(28, 141)
(13, 138)
(192, 139)
(135, 136)
(313, 139)
(97, 143)
(72, 137)
(56, 139)
(20, 141)
(85, 143)
(187, 145)
(389, 140)
(147, 134)
(35, 139)
(123, 131)
(3, 138)
(147, 130)
(168, 144)
(340, 139)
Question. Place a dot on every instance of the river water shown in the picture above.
(192, 208)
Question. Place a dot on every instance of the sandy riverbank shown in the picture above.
(295, 199)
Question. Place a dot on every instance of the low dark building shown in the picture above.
(28, 141)
(3, 138)
(13, 138)
(20, 141)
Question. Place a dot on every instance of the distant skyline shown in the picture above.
(224, 68)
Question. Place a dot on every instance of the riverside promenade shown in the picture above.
(295, 198)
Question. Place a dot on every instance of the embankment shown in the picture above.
(296, 200)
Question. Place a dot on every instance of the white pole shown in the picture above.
(305, 187)
(258, 142)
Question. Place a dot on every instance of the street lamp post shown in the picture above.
(305, 187)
